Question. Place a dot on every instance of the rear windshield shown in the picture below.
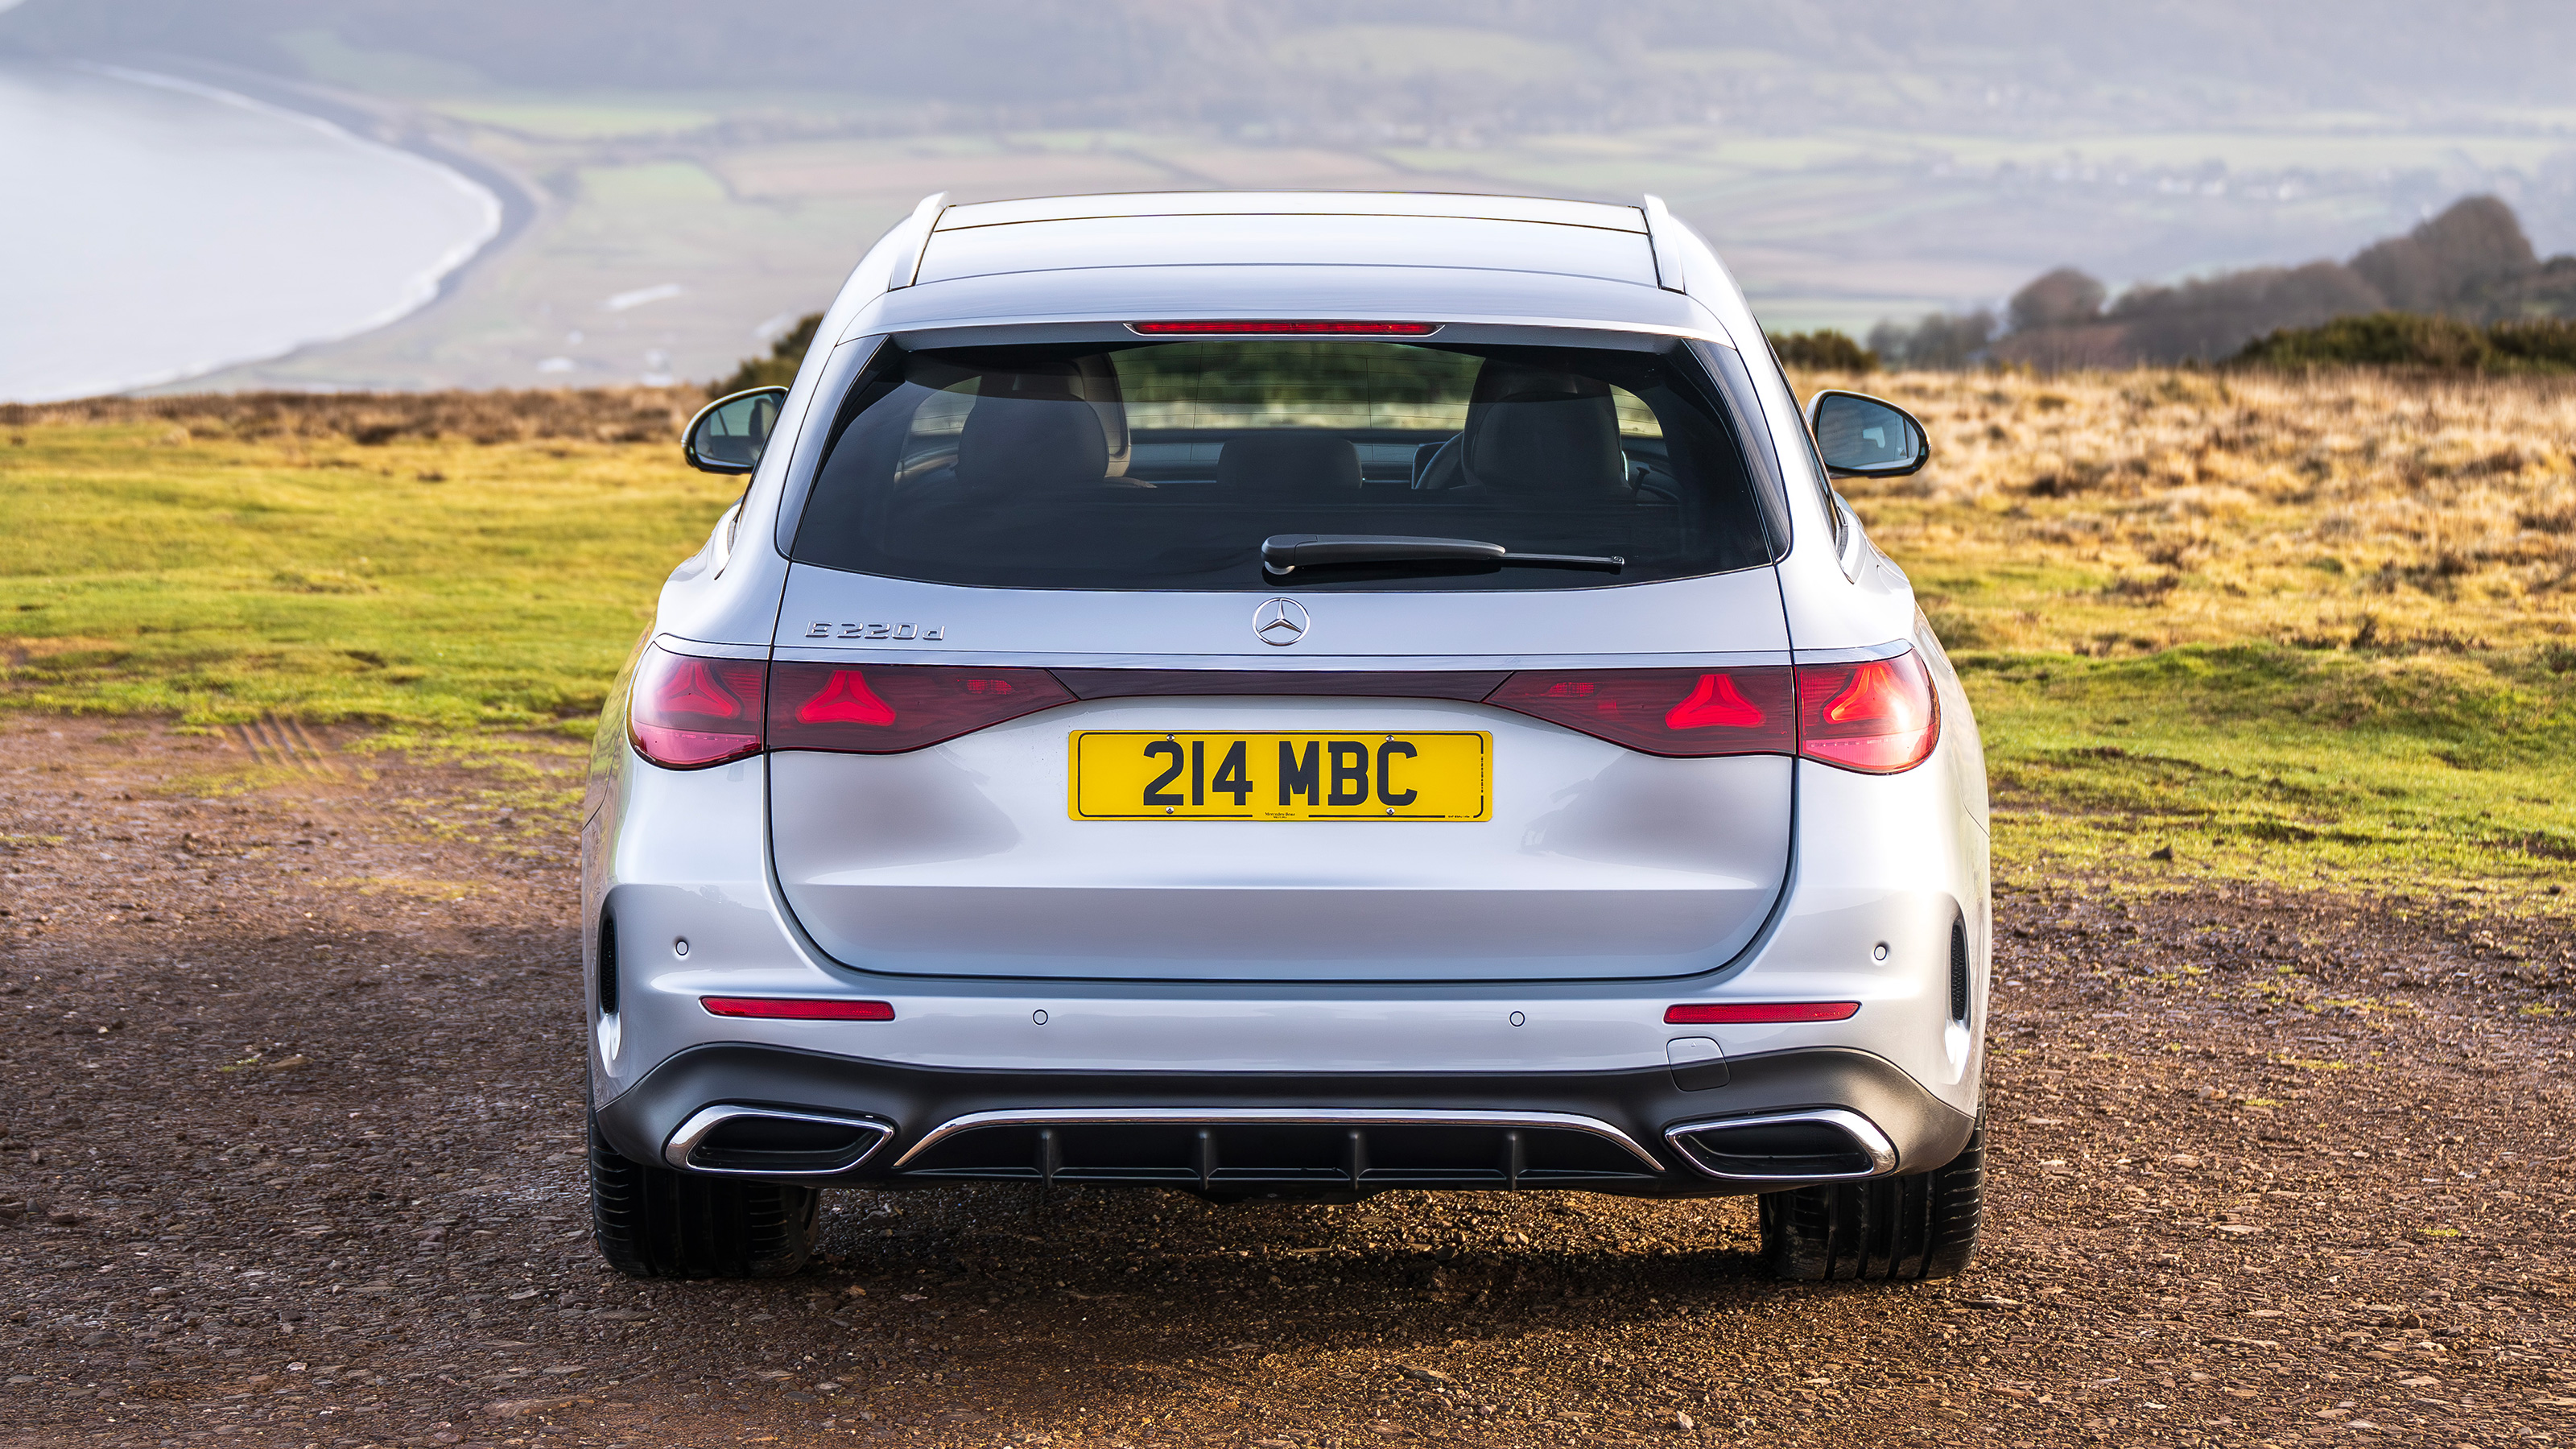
(1164, 465)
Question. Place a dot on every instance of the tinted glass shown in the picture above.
(1165, 465)
(735, 434)
(1859, 434)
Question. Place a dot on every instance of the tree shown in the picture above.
(2451, 261)
(2062, 298)
(778, 369)
(1823, 350)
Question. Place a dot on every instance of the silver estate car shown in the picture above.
(1289, 696)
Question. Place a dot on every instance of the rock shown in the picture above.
(513, 1408)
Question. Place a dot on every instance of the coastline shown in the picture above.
(376, 122)
(507, 205)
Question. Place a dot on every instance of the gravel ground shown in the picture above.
(290, 1082)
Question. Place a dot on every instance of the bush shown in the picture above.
(1823, 350)
(2405, 339)
(1939, 340)
(778, 369)
(376, 419)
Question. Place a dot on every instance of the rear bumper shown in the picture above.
(1294, 1134)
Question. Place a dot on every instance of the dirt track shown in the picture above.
(292, 1095)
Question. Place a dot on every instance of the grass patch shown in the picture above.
(2315, 632)
(424, 584)
(2269, 763)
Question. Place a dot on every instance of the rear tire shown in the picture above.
(1885, 1230)
(652, 1222)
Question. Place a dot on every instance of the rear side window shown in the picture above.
(1164, 465)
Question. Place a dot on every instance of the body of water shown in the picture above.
(160, 229)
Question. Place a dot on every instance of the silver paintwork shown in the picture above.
(1870, 860)
(1278, 1117)
(684, 1142)
(1692, 1051)
(1863, 1132)
(1597, 861)
(1270, 240)
(1443, 204)
(1733, 616)
(911, 236)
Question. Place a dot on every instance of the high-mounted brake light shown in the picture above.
(687, 713)
(1750, 1013)
(1283, 329)
(797, 1008)
(886, 709)
(1878, 717)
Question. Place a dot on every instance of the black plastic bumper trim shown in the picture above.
(1642, 1103)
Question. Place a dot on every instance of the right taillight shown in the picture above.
(1878, 716)
(687, 712)
(1694, 712)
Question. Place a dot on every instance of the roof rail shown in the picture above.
(1659, 229)
(925, 219)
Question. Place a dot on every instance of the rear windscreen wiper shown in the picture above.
(1285, 553)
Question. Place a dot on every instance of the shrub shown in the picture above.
(2405, 339)
(1823, 350)
(778, 369)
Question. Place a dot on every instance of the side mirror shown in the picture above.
(1863, 437)
(729, 434)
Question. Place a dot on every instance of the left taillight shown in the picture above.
(685, 712)
(886, 709)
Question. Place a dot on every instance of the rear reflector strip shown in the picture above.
(1273, 329)
(1746, 1013)
(797, 1008)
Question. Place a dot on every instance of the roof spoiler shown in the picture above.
(1659, 228)
(923, 221)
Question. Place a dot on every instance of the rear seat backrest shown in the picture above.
(1287, 462)
(1028, 430)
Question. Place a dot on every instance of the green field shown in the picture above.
(2208, 724)
(433, 587)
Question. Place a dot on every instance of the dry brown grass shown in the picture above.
(2117, 512)
(597, 415)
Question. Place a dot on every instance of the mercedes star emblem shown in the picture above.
(1279, 621)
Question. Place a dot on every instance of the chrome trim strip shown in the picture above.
(800, 652)
(1863, 1132)
(1273, 1117)
(671, 643)
(1858, 654)
(706, 1119)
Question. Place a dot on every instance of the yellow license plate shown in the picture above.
(1146, 775)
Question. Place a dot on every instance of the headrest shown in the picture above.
(1024, 441)
(1532, 430)
(1289, 461)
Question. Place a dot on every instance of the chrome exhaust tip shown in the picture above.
(773, 1142)
(1822, 1144)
